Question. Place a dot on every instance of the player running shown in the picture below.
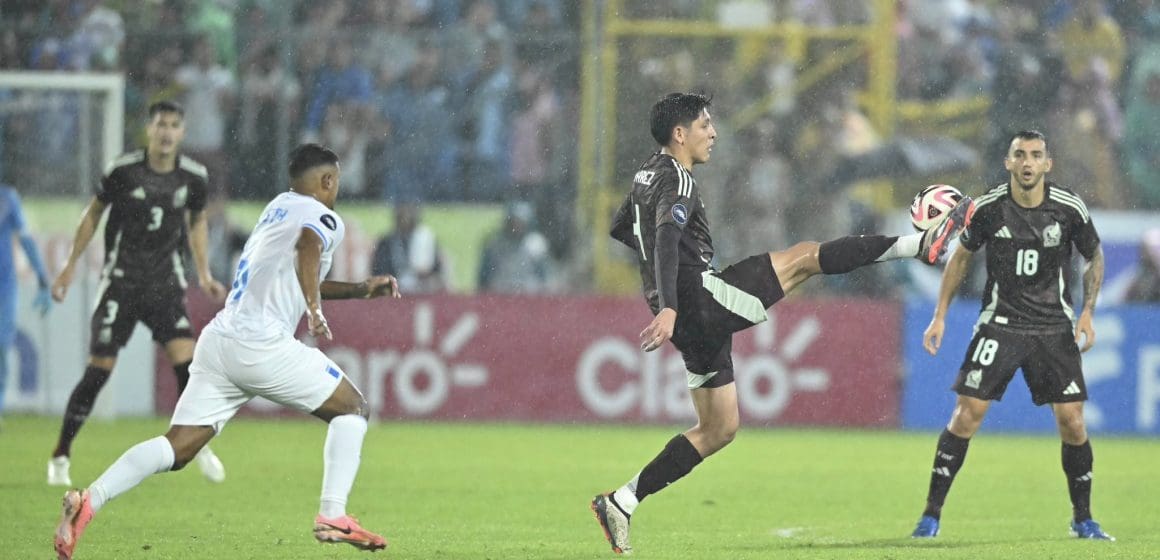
(249, 350)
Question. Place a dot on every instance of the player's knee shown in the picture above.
(1072, 428)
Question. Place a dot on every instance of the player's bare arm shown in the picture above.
(84, 234)
(953, 276)
(1093, 279)
(198, 225)
(373, 287)
(308, 265)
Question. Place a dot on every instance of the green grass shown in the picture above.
(514, 491)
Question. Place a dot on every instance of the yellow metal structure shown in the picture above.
(606, 26)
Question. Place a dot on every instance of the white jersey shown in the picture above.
(266, 300)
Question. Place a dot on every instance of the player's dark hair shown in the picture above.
(308, 156)
(166, 106)
(676, 109)
(1030, 135)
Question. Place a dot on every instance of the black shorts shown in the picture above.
(715, 305)
(1051, 366)
(121, 306)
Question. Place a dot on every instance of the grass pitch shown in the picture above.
(511, 491)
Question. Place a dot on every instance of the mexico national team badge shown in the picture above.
(328, 221)
(680, 213)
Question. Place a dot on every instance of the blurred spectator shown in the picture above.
(420, 155)
(483, 130)
(533, 138)
(98, 38)
(345, 132)
(516, 259)
(1145, 287)
(1028, 76)
(1141, 148)
(1090, 33)
(411, 254)
(208, 96)
(467, 39)
(214, 19)
(1087, 126)
(343, 82)
(269, 93)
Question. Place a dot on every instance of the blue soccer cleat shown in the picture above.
(927, 528)
(1089, 530)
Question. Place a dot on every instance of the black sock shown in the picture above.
(80, 404)
(845, 254)
(948, 459)
(182, 372)
(1077, 465)
(674, 461)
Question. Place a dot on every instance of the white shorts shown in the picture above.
(226, 373)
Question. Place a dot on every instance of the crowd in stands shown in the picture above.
(478, 100)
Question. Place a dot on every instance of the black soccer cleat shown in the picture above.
(936, 239)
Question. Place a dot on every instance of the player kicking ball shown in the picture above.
(698, 308)
(249, 350)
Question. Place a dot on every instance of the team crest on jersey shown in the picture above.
(329, 221)
(974, 378)
(1052, 235)
(179, 196)
(680, 214)
(138, 193)
(644, 177)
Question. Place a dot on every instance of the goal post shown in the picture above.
(93, 103)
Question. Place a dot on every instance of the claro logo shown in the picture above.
(614, 377)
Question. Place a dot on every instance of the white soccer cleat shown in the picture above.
(58, 471)
(210, 465)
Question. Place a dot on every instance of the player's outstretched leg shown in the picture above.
(76, 512)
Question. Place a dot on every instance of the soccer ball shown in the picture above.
(931, 204)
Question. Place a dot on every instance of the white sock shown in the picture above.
(625, 496)
(138, 463)
(340, 458)
(906, 247)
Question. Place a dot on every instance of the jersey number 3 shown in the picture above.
(157, 214)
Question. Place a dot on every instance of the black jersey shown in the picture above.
(664, 192)
(1027, 252)
(145, 232)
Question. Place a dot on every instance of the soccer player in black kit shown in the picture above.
(1029, 226)
(698, 308)
(156, 200)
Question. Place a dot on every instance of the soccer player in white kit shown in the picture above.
(249, 349)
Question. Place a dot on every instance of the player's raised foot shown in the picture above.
(936, 239)
(1089, 530)
(614, 523)
(58, 471)
(346, 529)
(210, 465)
(76, 512)
(927, 528)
